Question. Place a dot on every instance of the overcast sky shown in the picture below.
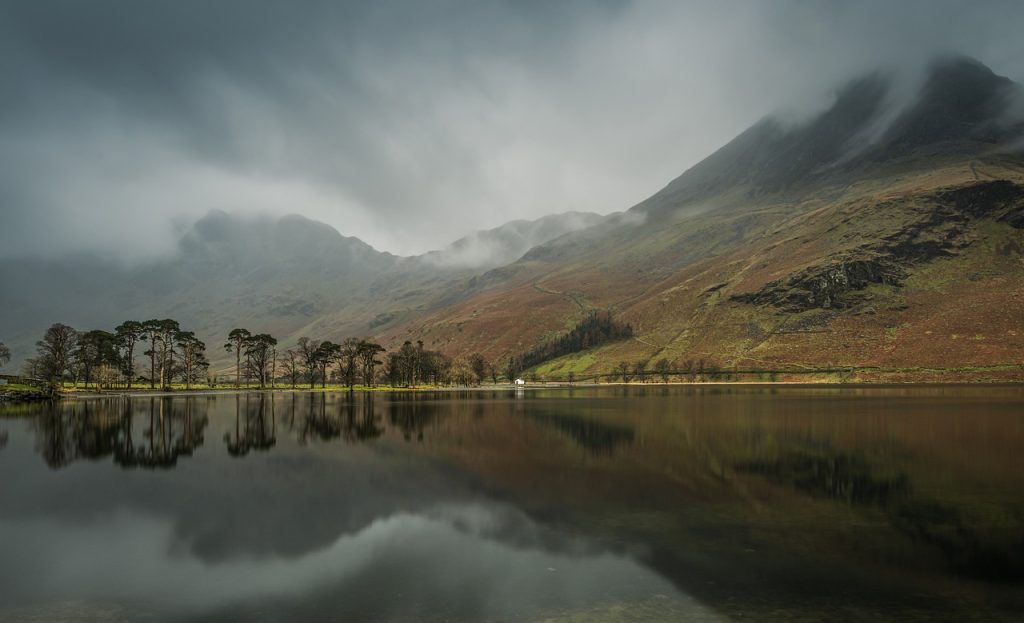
(409, 124)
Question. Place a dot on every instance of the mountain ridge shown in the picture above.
(285, 274)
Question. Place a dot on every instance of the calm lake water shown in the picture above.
(619, 504)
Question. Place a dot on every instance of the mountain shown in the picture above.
(287, 276)
(281, 274)
(885, 231)
(871, 234)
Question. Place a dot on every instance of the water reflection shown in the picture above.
(361, 420)
(595, 437)
(255, 425)
(148, 434)
(412, 413)
(758, 504)
(837, 476)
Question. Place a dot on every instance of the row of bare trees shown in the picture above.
(351, 361)
(362, 361)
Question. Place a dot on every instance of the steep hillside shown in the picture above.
(861, 237)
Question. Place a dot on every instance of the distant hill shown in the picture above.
(287, 276)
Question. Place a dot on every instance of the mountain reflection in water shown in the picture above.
(613, 504)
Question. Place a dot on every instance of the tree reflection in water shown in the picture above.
(95, 429)
(316, 424)
(255, 429)
(594, 436)
(352, 417)
(411, 413)
(360, 422)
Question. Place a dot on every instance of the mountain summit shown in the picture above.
(962, 109)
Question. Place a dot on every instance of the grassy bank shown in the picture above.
(15, 392)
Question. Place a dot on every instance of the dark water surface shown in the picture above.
(619, 504)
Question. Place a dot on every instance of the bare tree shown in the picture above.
(291, 365)
(309, 350)
(347, 355)
(478, 365)
(512, 368)
(623, 370)
(32, 368)
(5, 354)
(106, 375)
(662, 367)
(55, 352)
(193, 357)
(462, 372)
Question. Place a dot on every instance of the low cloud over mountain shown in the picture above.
(392, 120)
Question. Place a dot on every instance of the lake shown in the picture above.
(641, 503)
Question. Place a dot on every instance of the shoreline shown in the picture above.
(1013, 376)
(531, 387)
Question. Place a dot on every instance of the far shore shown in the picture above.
(1012, 374)
(134, 393)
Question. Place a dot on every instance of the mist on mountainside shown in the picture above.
(499, 246)
(961, 106)
(280, 272)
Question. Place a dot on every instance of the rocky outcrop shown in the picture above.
(938, 227)
(983, 199)
(832, 286)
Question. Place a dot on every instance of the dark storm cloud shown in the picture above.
(410, 123)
